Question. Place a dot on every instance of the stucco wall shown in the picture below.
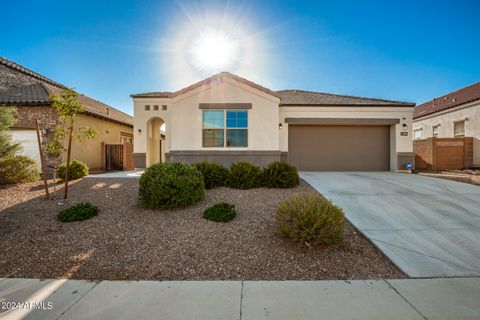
(89, 151)
(446, 119)
(186, 129)
(183, 118)
(142, 118)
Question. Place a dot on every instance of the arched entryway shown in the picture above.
(155, 140)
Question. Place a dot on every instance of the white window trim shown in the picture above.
(455, 135)
(421, 134)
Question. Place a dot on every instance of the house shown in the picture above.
(454, 115)
(226, 118)
(29, 92)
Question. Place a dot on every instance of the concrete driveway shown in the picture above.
(428, 227)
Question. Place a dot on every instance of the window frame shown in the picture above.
(462, 135)
(437, 129)
(225, 128)
(421, 134)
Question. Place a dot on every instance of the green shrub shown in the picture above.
(14, 168)
(80, 211)
(76, 170)
(170, 185)
(214, 175)
(221, 212)
(17, 169)
(280, 175)
(310, 219)
(244, 175)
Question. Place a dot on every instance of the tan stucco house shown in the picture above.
(226, 118)
(29, 92)
(453, 115)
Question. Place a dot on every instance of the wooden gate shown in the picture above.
(113, 157)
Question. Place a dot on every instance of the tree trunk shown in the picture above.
(42, 160)
(69, 150)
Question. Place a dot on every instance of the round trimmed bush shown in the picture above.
(214, 175)
(18, 169)
(80, 211)
(310, 219)
(76, 170)
(221, 212)
(244, 175)
(280, 174)
(170, 185)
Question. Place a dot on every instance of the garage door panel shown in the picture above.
(341, 148)
(28, 141)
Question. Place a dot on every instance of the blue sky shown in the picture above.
(401, 50)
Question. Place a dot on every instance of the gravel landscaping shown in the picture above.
(466, 176)
(125, 241)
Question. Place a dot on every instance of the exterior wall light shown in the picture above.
(280, 126)
(44, 130)
(405, 126)
(139, 131)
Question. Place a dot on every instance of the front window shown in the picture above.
(213, 128)
(225, 128)
(435, 131)
(126, 139)
(459, 129)
(417, 134)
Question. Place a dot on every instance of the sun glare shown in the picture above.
(214, 50)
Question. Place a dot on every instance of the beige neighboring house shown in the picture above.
(226, 118)
(454, 115)
(29, 92)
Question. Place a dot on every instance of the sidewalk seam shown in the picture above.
(411, 305)
(80, 298)
(241, 300)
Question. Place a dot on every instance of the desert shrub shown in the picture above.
(76, 170)
(170, 185)
(280, 174)
(221, 212)
(214, 175)
(244, 175)
(16, 169)
(80, 211)
(310, 219)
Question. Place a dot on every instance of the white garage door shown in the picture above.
(28, 140)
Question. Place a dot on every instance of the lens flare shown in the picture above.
(214, 50)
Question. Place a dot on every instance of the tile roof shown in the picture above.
(301, 97)
(99, 109)
(39, 93)
(450, 100)
(287, 97)
(35, 93)
(205, 82)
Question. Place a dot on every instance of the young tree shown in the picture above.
(14, 168)
(68, 107)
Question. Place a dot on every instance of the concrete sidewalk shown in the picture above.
(360, 299)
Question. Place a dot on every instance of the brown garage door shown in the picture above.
(342, 148)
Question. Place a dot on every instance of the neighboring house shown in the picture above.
(29, 92)
(454, 115)
(226, 118)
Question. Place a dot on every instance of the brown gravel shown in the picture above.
(127, 242)
(466, 176)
